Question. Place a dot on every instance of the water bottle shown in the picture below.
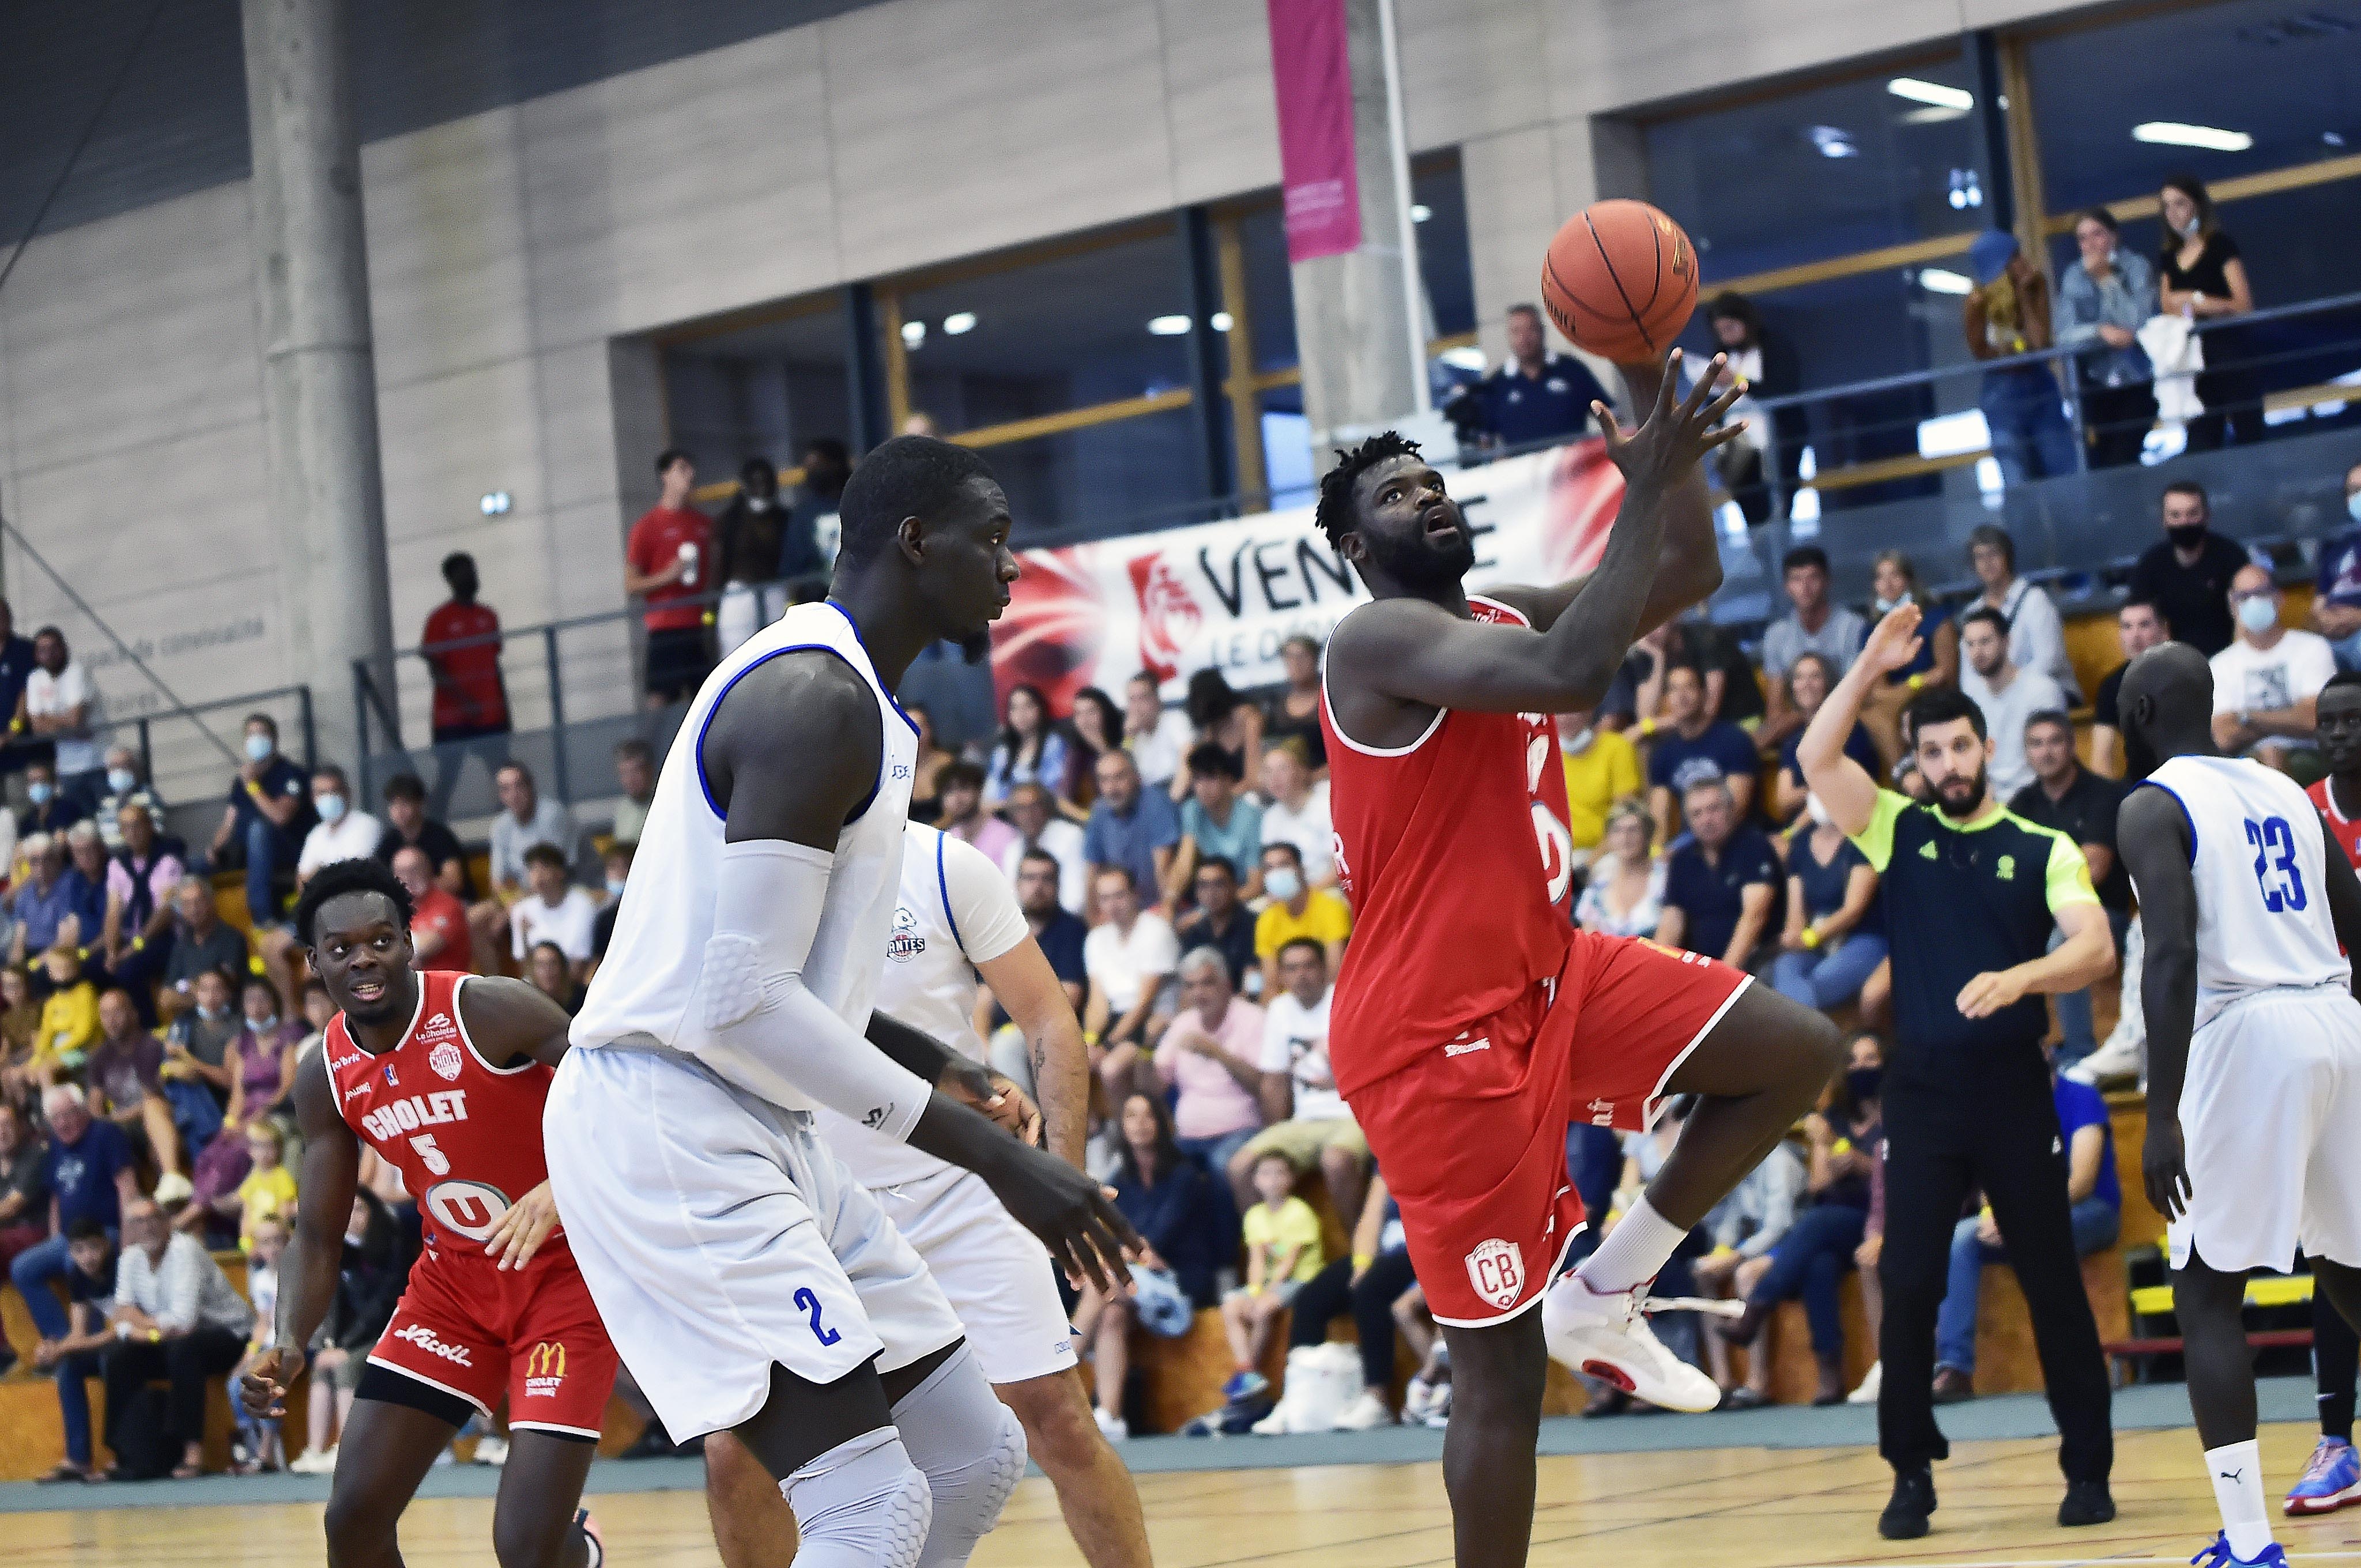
(687, 564)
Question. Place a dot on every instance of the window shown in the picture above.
(759, 387)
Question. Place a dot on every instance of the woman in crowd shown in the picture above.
(2201, 274)
(261, 1061)
(1295, 711)
(1221, 717)
(1190, 1230)
(553, 977)
(1812, 1258)
(1096, 729)
(1896, 583)
(1770, 369)
(1030, 747)
(1834, 939)
(926, 787)
(1625, 896)
(1809, 681)
(2102, 301)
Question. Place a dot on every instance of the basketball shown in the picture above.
(1620, 279)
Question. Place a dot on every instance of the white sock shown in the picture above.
(1638, 1246)
(2236, 1469)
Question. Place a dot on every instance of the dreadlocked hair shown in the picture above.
(1334, 511)
(366, 874)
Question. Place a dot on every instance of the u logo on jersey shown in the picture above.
(471, 1208)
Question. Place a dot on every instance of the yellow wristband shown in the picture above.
(1363, 1259)
(1842, 1146)
(1811, 937)
(1725, 1252)
(254, 789)
(155, 1336)
(1916, 683)
(1647, 728)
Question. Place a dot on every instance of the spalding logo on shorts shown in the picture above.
(471, 1208)
(1497, 1269)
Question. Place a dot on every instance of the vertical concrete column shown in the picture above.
(1362, 348)
(319, 377)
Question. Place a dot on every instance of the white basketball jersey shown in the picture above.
(647, 986)
(956, 909)
(2260, 864)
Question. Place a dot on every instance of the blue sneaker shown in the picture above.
(2219, 1555)
(2332, 1480)
(1244, 1386)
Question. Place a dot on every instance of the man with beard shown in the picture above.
(1972, 891)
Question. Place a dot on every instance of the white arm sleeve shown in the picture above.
(765, 1029)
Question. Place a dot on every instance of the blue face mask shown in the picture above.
(39, 793)
(615, 886)
(330, 807)
(258, 746)
(122, 780)
(2353, 505)
(2257, 615)
(1283, 884)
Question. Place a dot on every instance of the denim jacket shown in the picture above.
(2125, 299)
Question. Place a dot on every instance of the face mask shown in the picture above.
(258, 746)
(2257, 616)
(758, 503)
(1887, 607)
(1862, 1082)
(330, 807)
(1575, 745)
(2353, 505)
(2186, 535)
(1282, 886)
(39, 793)
(615, 886)
(263, 1026)
(122, 780)
(2188, 230)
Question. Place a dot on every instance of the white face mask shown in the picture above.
(2353, 505)
(1575, 745)
(1282, 883)
(1887, 607)
(2257, 615)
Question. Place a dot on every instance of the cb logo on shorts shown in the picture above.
(471, 1208)
(1496, 1268)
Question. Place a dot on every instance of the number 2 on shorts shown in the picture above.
(810, 1303)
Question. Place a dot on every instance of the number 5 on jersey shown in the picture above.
(2272, 836)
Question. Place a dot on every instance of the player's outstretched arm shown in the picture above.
(1847, 792)
(307, 1269)
(2153, 831)
(1417, 652)
(1688, 562)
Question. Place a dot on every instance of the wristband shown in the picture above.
(1842, 1146)
(1725, 1252)
(1811, 937)
(155, 1336)
(1916, 683)
(1647, 728)
(1362, 1260)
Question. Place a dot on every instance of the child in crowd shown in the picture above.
(1283, 1251)
(269, 1191)
(68, 1026)
(260, 1446)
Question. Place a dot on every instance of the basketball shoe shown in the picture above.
(1609, 1338)
(2332, 1480)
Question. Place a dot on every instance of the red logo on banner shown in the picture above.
(1049, 635)
(1169, 615)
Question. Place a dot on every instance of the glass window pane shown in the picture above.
(1445, 267)
(1103, 479)
(1870, 325)
(1270, 289)
(1049, 335)
(1826, 170)
(761, 389)
(2286, 78)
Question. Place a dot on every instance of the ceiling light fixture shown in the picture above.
(1224, 321)
(959, 321)
(2171, 132)
(1933, 92)
(1169, 327)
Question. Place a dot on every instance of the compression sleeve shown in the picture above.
(763, 1028)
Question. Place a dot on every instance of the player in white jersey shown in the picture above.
(749, 1283)
(959, 916)
(2253, 1041)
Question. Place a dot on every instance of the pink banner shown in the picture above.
(1313, 75)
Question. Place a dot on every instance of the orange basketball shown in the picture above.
(1620, 279)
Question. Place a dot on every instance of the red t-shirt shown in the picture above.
(2346, 830)
(468, 690)
(657, 543)
(442, 914)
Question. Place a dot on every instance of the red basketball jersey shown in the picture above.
(1455, 853)
(2346, 830)
(465, 1134)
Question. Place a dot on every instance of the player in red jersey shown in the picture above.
(2338, 794)
(1472, 1023)
(443, 1075)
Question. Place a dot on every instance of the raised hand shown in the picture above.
(1667, 447)
(1894, 642)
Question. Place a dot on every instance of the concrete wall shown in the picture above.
(510, 251)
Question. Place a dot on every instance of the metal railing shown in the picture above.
(187, 759)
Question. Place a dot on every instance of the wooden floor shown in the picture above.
(1738, 1507)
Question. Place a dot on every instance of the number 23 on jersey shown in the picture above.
(2274, 869)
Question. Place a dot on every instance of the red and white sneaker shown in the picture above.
(1608, 1337)
(591, 1533)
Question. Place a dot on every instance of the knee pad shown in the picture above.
(861, 1504)
(971, 1449)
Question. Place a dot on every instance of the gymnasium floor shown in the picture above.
(1779, 1488)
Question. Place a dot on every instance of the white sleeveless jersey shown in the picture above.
(2259, 863)
(956, 910)
(647, 986)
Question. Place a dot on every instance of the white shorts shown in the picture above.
(719, 1236)
(996, 1273)
(2271, 1116)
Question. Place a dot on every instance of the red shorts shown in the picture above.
(1471, 1139)
(470, 1330)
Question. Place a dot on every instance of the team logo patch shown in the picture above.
(472, 1209)
(1927, 851)
(445, 1059)
(544, 1369)
(906, 943)
(1496, 1269)
(389, 1077)
(2005, 867)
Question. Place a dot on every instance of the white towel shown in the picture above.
(2178, 354)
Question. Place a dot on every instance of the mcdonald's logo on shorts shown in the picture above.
(544, 1368)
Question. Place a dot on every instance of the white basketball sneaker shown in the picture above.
(1608, 1337)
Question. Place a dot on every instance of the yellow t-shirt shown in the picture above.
(262, 1194)
(68, 1026)
(1272, 1233)
(1596, 777)
(1325, 918)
